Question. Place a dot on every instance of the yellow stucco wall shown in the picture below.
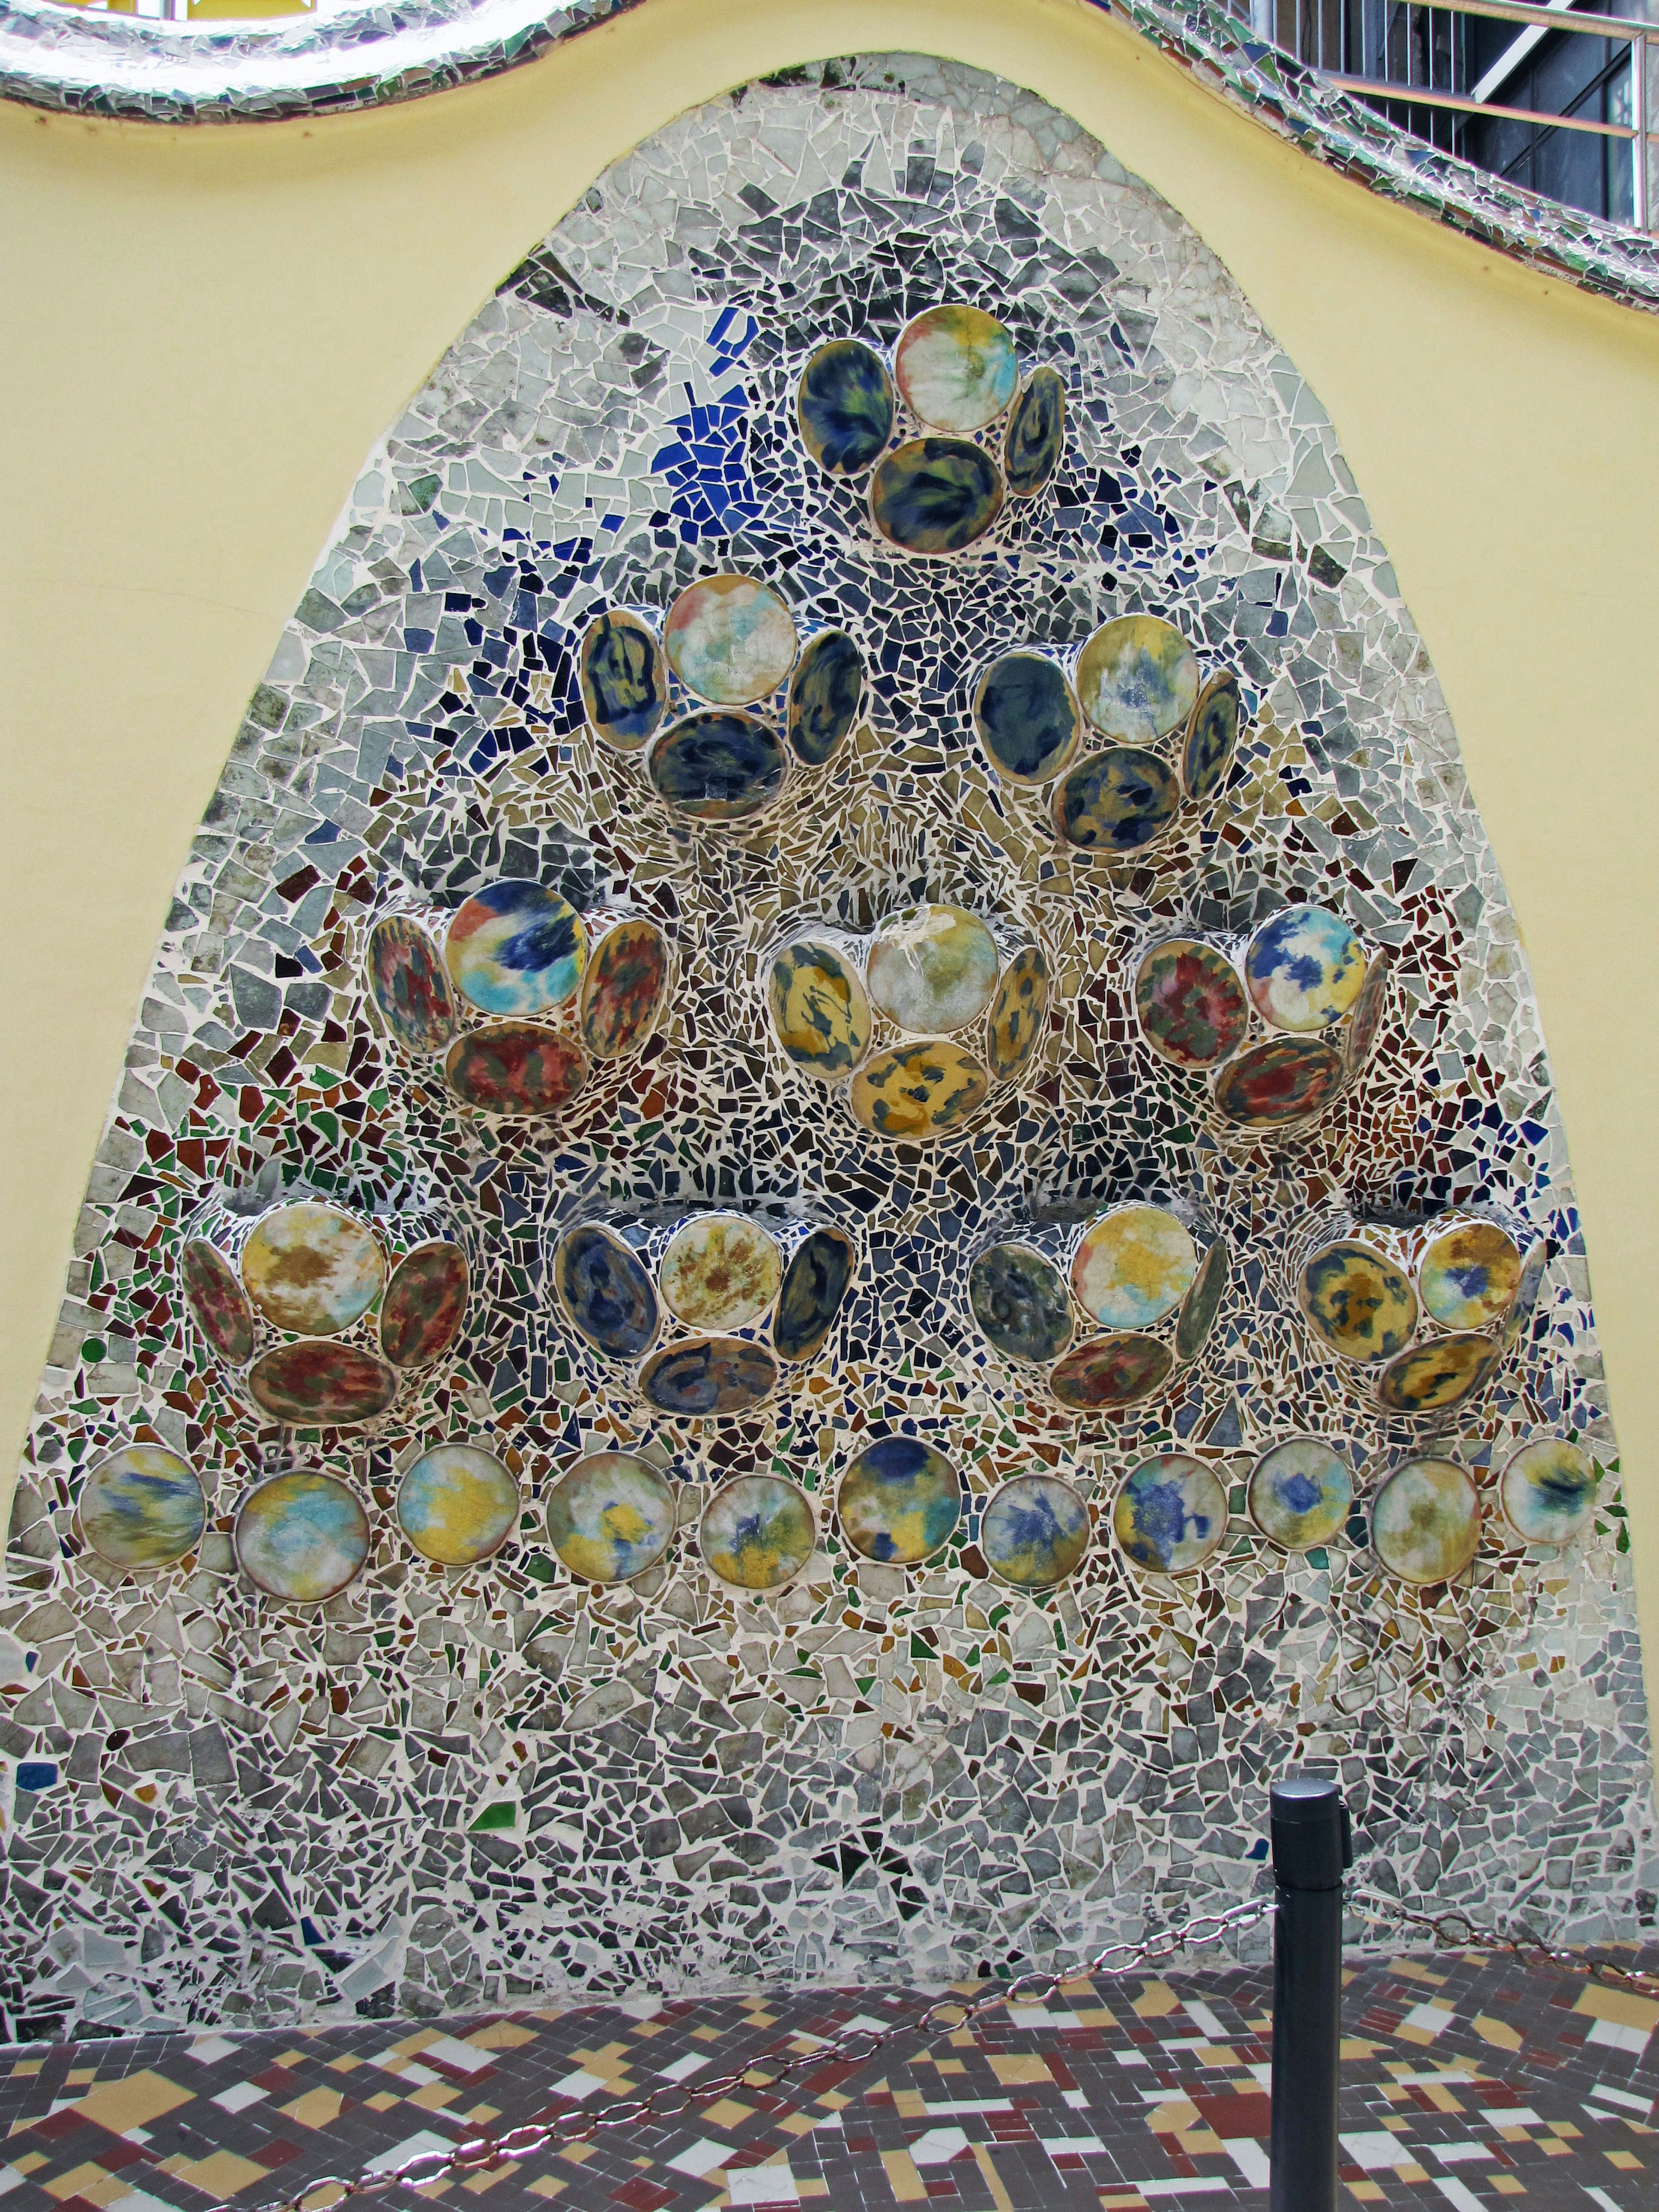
(206, 329)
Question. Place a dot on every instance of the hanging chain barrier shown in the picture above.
(799, 2051)
(1456, 1931)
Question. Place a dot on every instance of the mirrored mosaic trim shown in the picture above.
(98, 65)
(467, 1781)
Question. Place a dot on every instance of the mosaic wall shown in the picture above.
(857, 1036)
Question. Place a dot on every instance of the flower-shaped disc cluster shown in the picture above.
(1282, 1022)
(524, 998)
(918, 1023)
(986, 436)
(705, 1310)
(1137, 681)
(1422, 1313)
(1106, 1309)
(319, 1313)
(747, 704)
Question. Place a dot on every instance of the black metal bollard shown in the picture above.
(1312, 1847)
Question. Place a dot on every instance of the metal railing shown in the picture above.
(1427, 61)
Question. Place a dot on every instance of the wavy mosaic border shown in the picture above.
(56, 58)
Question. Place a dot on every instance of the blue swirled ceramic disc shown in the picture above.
(1033, 1531)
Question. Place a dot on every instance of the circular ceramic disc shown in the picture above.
(516, 948)
(1468, 1276)
(609, 1517)
(1278, 1082)
(458, 1504)
(956, 367)
(826, 697)
(935, 495)
(701, 1375)
(1202, 1302)
(1036, 435)
(1356, 1302)
(1116, 801)
(216, 1302)
(1366, 1020)
(1027, 719)
(1170, 1516)
(919, 1090)
(1303, 968)
(899, 1500)
(820, 1009)
(302, 1537)
(730, 639)
(718, 766)
(313, 1270)
(1134, 1265)
(1549, 1491)
(1532, 1282)
(623, 989)
(845, 407)
(756, 1533)
(142, 1507)
(519, 1070)
(1300, 1493)
(1137, 678)
(814, 1284)
(424, 1304)
(1109, 1371)
(1433, 1378)
(719, 1272)
(1190, 1003)
(1212, 738)
(623, 683)
(1033, 1531)
(321, 1385)
(408, 985)
(1425, 1522)
(1019, 1301)
(605, 1291)
(933, 969)
(1018, 1012)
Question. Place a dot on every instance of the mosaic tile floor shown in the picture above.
(1466, 2078)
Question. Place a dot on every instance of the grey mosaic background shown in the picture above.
(220, 1809)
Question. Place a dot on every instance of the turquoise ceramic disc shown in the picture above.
(516, 948)
(302, 1537)
(1303, 968)
(899, 1501)
(458, 1504)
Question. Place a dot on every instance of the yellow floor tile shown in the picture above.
(902, 2179)
(1015, 2069)
(1507, 2185)
(317, 2108)
(548, 2185)
(346, 2065)
(500, 2035)
(476, 2184)
(133, 2102)
(728, 2113)
(480, 2113)
(220, 2174)
(383, 2103)
(432, 2096)
(89, 2180)
(1626, 2161)
(1498, 2032)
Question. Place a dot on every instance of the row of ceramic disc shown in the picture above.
(303, 1536)
(758, 700)
(956, 372)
